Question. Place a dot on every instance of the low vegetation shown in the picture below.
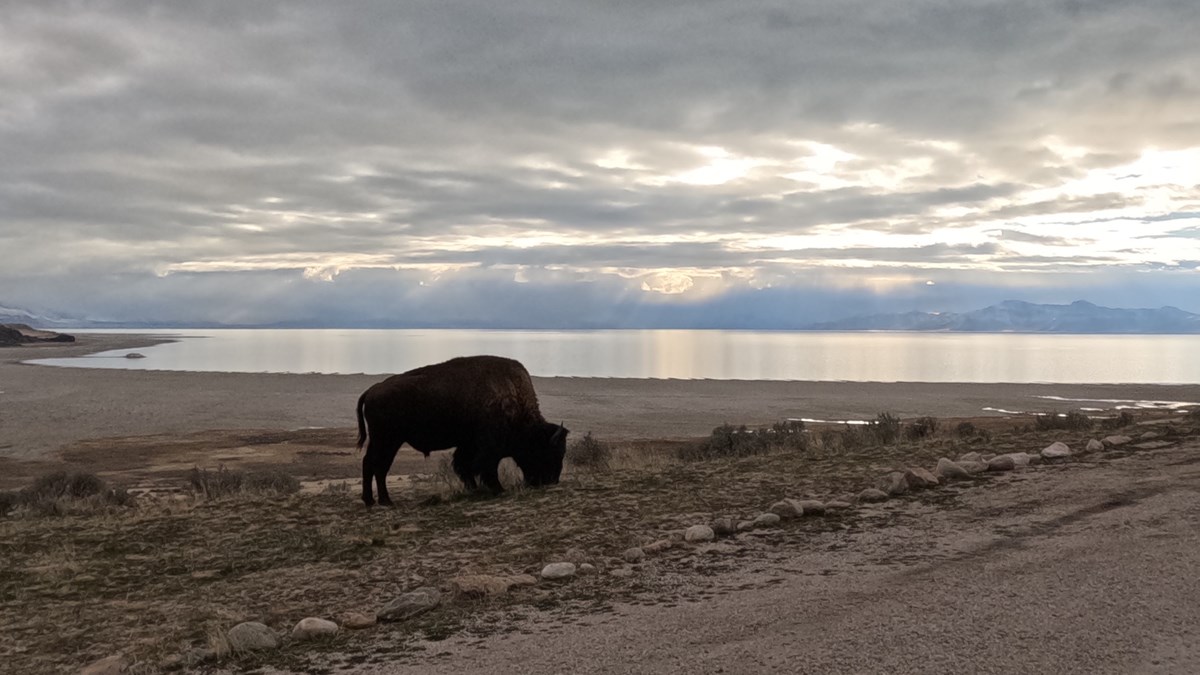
(64, 492)
(225, 482)
(164, 576)
(590, 453)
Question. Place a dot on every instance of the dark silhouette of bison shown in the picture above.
(483, 406)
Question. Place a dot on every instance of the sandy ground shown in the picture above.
(43, 409)
(1087, 569)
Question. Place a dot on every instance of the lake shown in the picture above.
(684, 354)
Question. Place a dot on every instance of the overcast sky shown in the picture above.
(524, 163)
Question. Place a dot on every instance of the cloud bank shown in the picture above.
(728, 164)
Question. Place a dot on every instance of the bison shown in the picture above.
(483, 406)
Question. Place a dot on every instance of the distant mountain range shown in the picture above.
(1014, 316)
(1010, 316)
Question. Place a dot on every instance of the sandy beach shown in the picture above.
(44, 409)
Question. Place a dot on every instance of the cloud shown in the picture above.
(710, 150)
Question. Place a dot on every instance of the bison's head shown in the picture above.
(543, 465)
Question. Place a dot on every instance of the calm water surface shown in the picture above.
(684, 354)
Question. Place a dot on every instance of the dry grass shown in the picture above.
(170, 575)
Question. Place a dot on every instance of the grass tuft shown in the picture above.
(730, 441)
(590, 453)
(224, 482)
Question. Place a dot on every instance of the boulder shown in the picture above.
(558, 571)
(1116, 441)
(313, 628)
(523, 580)
(633, 555)
(699, 533)
(1001, 463)
(622, 572)
(766, 520)
(872, 496)
(894, 484)
(1020, 459)
(1094, 445)
(949, 470)
(971, 457)
(585, 569)
(920, 479)
(787, 508)
(973, 467)
(1056, 450)
(411, 604)
(838, 505)
(719, 548)
(745, 525)
(251, 636)
(811, 507)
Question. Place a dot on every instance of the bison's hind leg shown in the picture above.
(368, 466)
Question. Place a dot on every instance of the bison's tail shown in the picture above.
(362, 423)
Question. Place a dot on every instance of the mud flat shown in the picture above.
(43, 409)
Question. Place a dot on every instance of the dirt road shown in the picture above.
(1086, 569)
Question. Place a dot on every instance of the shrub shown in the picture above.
(730, 441)
(224, 482)
(922, 427)
(590, 452)
(966, 430)
(885, 428)
(1072, 421)
(62, 492)
(1119, 422)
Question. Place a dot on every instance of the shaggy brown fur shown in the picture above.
(483, 406)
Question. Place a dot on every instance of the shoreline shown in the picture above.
(44, 408)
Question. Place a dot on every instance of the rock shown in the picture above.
(558, 571)
(357, 620)
(251, 636)
(699, 533)
(408, 605)
(586, 568)
(920, 479)
(811, 507)
(949, 470)
(1020, 458)
(575, 555)
(313, 628)
(745, 525)
(622, 572)
(766, 520)
(523, 580)
(971, 457)
(1056, 450)
(893, 484)
(872, 495)
(973, 467)
(838, 505)
(724, 527)
(633, 555)
(479, 585)
(1116, 441)
(109, 665)
(658, 546)
(1001, 463)
(786, 508)
(1094, 445)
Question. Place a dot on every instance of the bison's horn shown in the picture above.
(559, 433)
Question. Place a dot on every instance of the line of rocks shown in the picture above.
(253, 636)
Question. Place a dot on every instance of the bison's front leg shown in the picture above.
(463, 462)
